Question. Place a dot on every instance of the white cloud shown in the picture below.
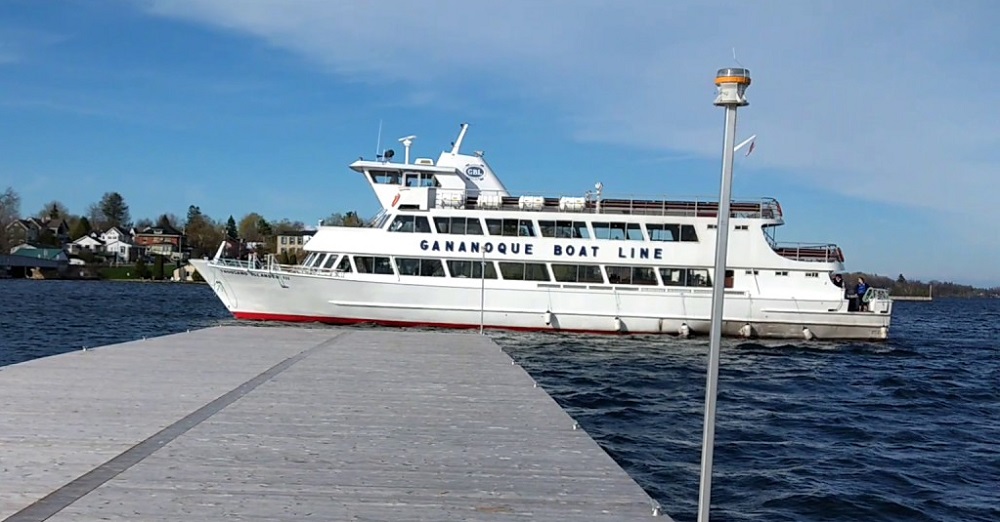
(894, 101)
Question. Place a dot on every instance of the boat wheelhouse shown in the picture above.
(452, 247)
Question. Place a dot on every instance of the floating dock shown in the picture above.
(282, 424)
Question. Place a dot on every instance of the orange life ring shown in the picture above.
(395, 200)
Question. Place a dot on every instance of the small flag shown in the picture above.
(750, 148)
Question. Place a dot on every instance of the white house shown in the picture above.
(90, 243)
(119, 244)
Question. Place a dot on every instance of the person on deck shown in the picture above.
(862, 289)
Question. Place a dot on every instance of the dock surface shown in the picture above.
(279, 424)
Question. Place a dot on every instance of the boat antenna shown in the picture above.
(734, 58)
(731, 84)
(378, 141)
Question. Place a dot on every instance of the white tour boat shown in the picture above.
(452, 248)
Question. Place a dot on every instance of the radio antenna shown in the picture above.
(378, 141)
(734, 58)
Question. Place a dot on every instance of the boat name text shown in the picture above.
(514, 248)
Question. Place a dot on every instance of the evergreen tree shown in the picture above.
(80, 228)
(158, 268)
(264, 228)
(111, 211)
(164, 222)
(141, 270)
(231, 228)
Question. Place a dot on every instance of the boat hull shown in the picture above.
(263, 295)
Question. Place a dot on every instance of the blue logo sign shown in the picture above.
(474, 172)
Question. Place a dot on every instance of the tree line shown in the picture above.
(203, 233)
(901, 286)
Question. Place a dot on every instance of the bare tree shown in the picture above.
(10, 211)
(53, 210)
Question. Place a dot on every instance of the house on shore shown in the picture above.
(121, 246)
(292, 243)
(34, 230)
(163, 240)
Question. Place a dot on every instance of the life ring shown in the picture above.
(395, 200)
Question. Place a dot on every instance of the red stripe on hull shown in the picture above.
(260, 316)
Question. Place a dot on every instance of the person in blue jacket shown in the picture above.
(862, 289)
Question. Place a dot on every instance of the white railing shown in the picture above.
(824, 253)
(591, 203)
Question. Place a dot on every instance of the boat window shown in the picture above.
(419, 267)
(384, 177)
(658, 232)
(524, 271)
(330, 260)
(662, 232)
(618, 230)
(474, 226)
(459, 225)
(632, 275)
(577, 273)
(570, 229)
(315, 261)
(379, 220)
(688, 233)
(686, 277)
(373, 265)
(345, 264)
(404, 223)
(471, 269)
(420, 179)
(511, 227)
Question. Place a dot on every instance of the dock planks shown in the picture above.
(256, 423)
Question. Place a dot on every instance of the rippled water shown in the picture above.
(907, 430)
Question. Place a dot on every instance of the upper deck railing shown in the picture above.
(826, 253)
(764, 208)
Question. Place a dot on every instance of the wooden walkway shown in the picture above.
(280, 424)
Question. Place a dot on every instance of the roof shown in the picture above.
(27, 224)
(40, 253)
(118, 229)
(84, 239)
(160, 231)
(297, 233)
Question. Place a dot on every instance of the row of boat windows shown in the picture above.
(615, 230)
(516, 271)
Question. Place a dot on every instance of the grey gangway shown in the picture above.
(255, 423)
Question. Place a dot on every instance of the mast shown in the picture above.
(731, 84)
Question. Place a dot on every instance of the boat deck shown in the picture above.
(255, 423)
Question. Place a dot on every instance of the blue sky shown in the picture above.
(877, 122)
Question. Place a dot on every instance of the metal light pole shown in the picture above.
(732, 84)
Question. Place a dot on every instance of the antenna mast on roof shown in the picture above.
(461, 136)
(378, 141)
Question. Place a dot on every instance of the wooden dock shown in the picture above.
(280, 424)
